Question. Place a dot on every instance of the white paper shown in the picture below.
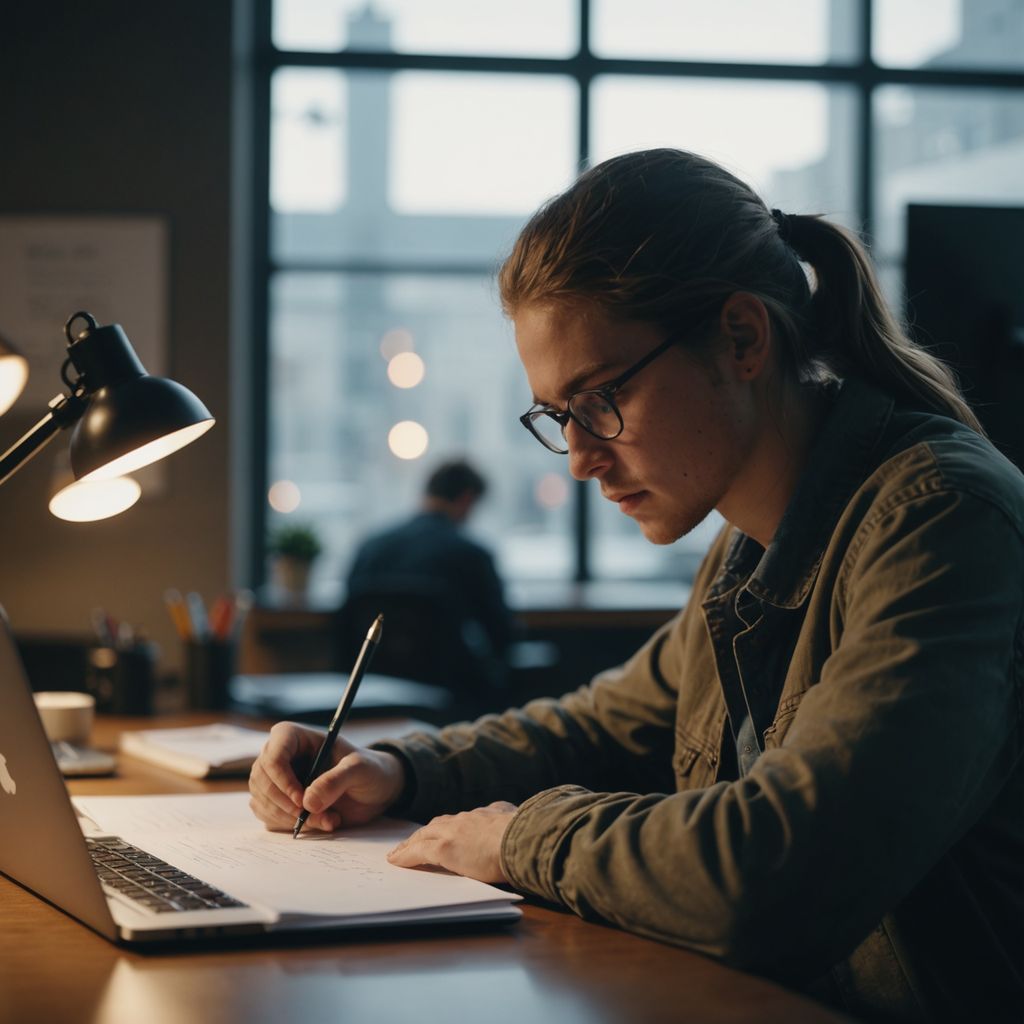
(214, 836)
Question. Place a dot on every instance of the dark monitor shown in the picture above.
(965, 303)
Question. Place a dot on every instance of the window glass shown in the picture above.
(446, 167)
(749, 31)
(355, 356)
(308, 141)
(541, 28)
(938, 34)
(480, 144)
(792, 142)
(943, 145)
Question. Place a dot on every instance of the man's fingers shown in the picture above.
(334, 783)
(261, 783)
(277, 820)
(271, 815)
(276, 759)
(420, 849)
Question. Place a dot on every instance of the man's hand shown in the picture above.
(468, 843)
(358, 787)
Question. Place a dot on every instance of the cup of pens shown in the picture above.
(210, 639)
(120, 670)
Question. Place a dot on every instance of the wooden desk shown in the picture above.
(597, 604)
(550, 967)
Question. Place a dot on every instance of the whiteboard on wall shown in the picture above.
(112, 267)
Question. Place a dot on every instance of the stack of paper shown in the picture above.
(337, 880)
(206, 751)
(200, 752)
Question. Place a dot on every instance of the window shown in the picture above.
(410, 139)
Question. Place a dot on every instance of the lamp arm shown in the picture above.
(64, 411)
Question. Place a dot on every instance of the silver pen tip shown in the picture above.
(373, 634)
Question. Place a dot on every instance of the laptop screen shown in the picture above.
(41, 844)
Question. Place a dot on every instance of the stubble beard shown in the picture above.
(664, 530)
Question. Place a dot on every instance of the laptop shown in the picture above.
(121, 890)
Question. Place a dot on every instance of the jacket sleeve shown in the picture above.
(617, 732)
(907, 737)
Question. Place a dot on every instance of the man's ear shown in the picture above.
(746, 328)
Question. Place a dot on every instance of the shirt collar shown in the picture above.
(839, 462)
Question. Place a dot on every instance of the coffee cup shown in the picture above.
(66, 715)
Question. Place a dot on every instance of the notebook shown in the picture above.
(202, 751)
(184, 868)
(221, 749)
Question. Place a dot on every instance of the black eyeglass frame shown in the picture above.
(606, 391)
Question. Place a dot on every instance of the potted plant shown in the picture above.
(294, 548)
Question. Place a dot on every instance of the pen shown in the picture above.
(366, 652)
(197, 615)
(178, 612)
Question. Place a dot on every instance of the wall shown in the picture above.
(116, 106)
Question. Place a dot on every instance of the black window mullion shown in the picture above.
(258, 416)
(582, 521)
(865, 124)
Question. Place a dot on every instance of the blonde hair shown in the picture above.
(665, 236)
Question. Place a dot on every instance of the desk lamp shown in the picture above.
(123, 420)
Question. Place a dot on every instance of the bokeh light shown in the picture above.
(395, 342)
(408, 439)
(406, 370)
(284, 496)
(552, 491)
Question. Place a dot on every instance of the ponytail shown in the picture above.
(854, 328)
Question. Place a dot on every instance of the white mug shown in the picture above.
(66, 715)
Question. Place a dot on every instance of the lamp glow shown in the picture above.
(88, 500)
(13, 375)
(147, 453)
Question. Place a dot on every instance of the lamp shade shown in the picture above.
(13, 375)
(130, 424)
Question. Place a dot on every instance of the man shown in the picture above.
(431, 549)
(815, 771)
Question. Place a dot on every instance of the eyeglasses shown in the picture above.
(594, 409)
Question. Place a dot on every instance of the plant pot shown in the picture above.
(292, 575)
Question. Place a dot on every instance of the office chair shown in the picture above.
(425, 639)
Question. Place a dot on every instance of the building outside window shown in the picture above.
(410, 139)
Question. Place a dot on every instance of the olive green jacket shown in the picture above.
(874, 853)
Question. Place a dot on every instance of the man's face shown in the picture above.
(689, 426)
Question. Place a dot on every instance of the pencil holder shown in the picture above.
(209, 665)
(122, 680)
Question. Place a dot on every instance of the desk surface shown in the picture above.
(551, 966)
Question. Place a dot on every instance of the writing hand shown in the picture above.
(358, 787)
(468, 843)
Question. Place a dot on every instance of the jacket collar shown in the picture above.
(841, 459)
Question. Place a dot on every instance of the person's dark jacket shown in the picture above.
(430, 548)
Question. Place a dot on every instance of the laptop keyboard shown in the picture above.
(147, 880)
